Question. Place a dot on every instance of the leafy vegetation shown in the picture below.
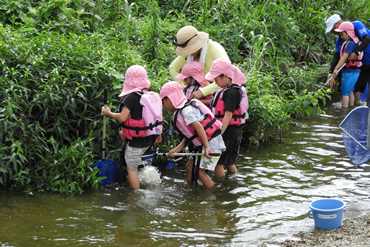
(56, 57)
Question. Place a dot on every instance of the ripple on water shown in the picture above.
(268, 198)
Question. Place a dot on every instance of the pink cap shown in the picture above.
(173, 90)
(348, 27)
(224, 66)
(195, 70)
(136, 79)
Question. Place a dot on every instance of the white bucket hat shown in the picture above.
(331, 21)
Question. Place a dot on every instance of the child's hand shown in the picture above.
(169, 154)
(105, 111)
(206, 153)
(158, 139)
(196, 95)
(122, 136)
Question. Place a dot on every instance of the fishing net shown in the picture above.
(107, 168)
(355, 127)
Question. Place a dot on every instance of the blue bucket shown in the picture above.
(327, 213)
(148, 158)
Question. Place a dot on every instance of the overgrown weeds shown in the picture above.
(56, 57)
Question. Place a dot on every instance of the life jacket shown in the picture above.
(218, 105)
(151, 121)
(353, 63)
(190, 89)
(210, 124)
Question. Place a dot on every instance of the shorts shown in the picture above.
(348, 83)
(133, 156)
(363, 79)
(229, 156)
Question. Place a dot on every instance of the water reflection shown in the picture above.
(267, 199)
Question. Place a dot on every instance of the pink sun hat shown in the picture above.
(136, 79)
(173, 90)
(195, 70)
(224, 66)
(348, 27)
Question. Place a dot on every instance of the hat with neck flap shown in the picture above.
(173, 90)
(193, 69)
(136, 79)
(224, 66)
(349, 29)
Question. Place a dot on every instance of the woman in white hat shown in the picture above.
(193, 45)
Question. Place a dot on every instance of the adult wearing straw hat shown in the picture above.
(193, 45)
(363, 34)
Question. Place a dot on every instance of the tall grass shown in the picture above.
(51, 99)
(57, 56)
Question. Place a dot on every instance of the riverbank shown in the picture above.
(353, 232)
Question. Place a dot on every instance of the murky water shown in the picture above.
(267, 199)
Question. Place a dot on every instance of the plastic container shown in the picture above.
(327, 213)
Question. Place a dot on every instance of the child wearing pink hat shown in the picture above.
(195, 123)
(229, 105)
(351, 70)
(141, 117)
(194, 78)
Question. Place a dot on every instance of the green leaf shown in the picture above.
(98, 17)
(314, 101)
(3, 170)
(308, 111)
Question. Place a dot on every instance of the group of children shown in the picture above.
(209, 125)
(353, 58)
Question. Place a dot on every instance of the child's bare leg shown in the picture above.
(205, 179)
(351, 99)
(133, 178)
(133, 159)
(345, 100)
(189, 169)
(219, 171)
(357, 96)
(232, 168)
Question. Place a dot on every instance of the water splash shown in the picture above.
(150, 175)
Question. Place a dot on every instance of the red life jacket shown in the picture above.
(218, 105)
(353, 63)
(151, 121)
(211, 125)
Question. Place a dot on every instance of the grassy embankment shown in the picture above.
(57, 56)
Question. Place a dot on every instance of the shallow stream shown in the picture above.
(267, 199)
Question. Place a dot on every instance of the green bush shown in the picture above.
(57, 56)
(52, 93)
